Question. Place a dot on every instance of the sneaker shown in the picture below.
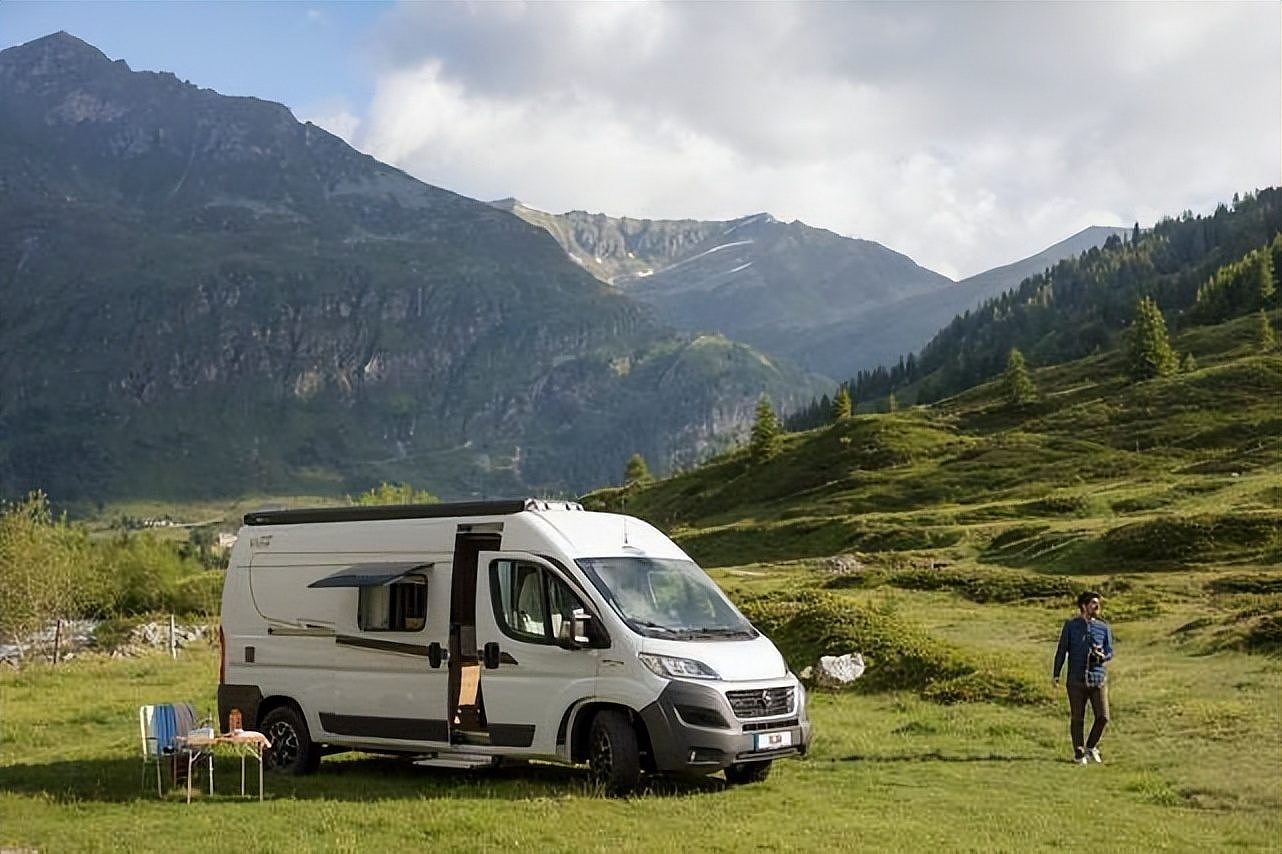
(1093, 753)
(1082, 760)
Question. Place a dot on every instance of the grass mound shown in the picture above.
(1191, 538)
(980, 585)
(899, 656)
(1258, 583)
(751, 542)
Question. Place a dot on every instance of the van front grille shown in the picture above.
(761, 703)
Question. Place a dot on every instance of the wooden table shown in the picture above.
(244, 742)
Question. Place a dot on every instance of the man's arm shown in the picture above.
(1108, 643)
(1061, 653)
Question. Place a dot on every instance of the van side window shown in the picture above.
(397, 607)
(529, 601)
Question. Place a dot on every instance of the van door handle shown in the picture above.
(490, 654)
(435, 654)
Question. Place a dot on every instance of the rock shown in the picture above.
(844, 564)
(838, 671)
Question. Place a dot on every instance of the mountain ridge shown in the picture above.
(782, 279)
(201, 295)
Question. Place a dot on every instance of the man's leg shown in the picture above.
(1099, 707)
(1076, 716)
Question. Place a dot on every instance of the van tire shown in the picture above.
(613, 754)
(292, 750)
(747, 772)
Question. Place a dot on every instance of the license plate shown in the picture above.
(774, 740)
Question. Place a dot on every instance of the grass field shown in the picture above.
(1193, 760)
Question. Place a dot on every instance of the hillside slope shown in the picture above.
(1099, 475)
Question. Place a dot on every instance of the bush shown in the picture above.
(899, 656)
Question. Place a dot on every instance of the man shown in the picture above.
(1086, 643)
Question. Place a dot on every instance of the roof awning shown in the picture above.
(369, 575)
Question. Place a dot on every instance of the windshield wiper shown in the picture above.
(649, 625)
(718, 632)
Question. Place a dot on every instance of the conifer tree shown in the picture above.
(636, 470)
(1188, 364)
(1150, 349)
(1264, 337)
(843, 406)
(765, 440)
(1017, 385)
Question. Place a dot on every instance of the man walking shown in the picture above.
(1086, 643)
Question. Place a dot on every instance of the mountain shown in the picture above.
(882, 334)
(754, 279)
(201, 296)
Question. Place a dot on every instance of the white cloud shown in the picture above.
(965, 135)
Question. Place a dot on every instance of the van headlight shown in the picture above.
(671, 667)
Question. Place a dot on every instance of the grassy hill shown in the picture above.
(1094, 458)
(1155, 492)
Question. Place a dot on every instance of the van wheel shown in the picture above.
(613, 755)
(292, 750)
(747, 772)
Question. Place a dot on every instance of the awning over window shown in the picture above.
(369, 575)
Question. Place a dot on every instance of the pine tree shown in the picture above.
(1150, 349)
(765, 440)
(636, 470)
(1188, 364)
(1264, 337)
(1017, 385)
(842, 405)
(1264, 279)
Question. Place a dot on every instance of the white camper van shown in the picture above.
(466, 633)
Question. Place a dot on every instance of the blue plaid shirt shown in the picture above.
(1075, 643)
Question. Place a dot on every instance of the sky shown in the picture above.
(965, 135)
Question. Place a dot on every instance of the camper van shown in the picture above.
(466, 634)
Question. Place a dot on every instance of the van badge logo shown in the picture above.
(765, 699)
(261, 542)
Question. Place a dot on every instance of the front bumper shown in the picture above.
(694, 730)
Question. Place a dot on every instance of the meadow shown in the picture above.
(946, 544)
(1192, 758)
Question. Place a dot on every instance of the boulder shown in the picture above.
(838, 671)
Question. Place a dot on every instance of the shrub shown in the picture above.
(811, 624)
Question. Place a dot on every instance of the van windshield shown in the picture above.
(666, 598)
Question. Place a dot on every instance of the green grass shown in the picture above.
(1192, 759)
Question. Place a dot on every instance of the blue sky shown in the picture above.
(965, 135)
(299, 54)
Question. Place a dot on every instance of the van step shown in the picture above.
(458, 760)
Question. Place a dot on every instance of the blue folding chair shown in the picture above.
(163, 727)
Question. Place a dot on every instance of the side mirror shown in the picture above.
(573, 633)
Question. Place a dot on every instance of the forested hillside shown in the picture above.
(1197, 269)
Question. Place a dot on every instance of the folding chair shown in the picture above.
(163, 727)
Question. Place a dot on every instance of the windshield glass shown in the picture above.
(665, 598)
